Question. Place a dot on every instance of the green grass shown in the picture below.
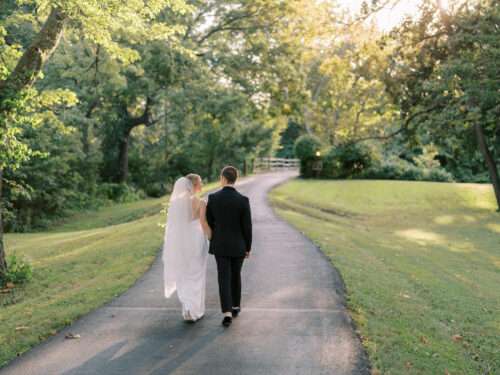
(79, 265)
(421, 262)
(111, 215)
(74, 272)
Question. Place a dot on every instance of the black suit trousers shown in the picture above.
(229, 274)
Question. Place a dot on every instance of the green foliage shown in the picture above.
(12, 151)
(212, 102)
(400, 169)
(19, 271)
(202, 112)
(444, 77)
(121, 193)
(50, 182)
(364, 161)
(108, 22)
(349, 160)
(306, 147)
(288, 137)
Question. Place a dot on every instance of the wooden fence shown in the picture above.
(274, 164)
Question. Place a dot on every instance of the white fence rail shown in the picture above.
(273, 164)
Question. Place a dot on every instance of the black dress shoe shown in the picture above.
(226, 322)
(236, 312)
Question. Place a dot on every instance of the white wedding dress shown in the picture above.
(185, 253)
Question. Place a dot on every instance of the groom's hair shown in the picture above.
(230, 173)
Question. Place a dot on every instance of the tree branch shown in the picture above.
(31, 62)
(403, 127)
(144, 119)
(226, 25)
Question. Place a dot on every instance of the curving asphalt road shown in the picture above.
(293, 318)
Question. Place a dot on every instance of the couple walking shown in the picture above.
(221, 226)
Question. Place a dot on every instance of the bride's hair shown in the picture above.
(194, 179)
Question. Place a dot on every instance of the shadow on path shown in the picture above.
(293, 319)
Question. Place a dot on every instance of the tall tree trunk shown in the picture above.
(331, 129)
(490, 162)
(128, 125)
(123, 157)
(87, 126)
(3, 263)
(23, 76)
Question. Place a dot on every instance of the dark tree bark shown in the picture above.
(123, 145)
(490, 162)
(24, 76)
(3, 263)
(86, 127)
(123, 157)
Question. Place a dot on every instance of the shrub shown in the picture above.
(332, 166)
(119, 192)
(348, 160)
(440, 175)
(399, 169)
(19, 271)
(156, 190)
(305, 149)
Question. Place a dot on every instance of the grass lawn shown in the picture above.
(421, 262)
(80, 264)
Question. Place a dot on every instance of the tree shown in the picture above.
(444, 77)
(104, 22)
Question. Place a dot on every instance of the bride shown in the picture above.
(185, 248)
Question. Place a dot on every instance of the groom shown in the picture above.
(229, 217)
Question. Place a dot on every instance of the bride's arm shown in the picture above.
(195, 208)
(203, 219)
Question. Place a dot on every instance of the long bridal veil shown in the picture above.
(177, 234)
(185, 252)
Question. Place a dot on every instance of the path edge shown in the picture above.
(363, 364)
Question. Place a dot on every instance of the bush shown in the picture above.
(331, 165)
(399, 169)
(439, 175)
(349, 160)
(157, 190)
(305, 149)
(19, 271)
(119, 193)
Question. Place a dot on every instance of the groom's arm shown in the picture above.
(246, 223)
(209, 214)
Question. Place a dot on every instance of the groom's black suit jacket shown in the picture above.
(229, 216)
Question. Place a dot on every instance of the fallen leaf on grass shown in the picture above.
(71, 336)
(457, 338)
(22, 328)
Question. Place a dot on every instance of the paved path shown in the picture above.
(293, 319)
